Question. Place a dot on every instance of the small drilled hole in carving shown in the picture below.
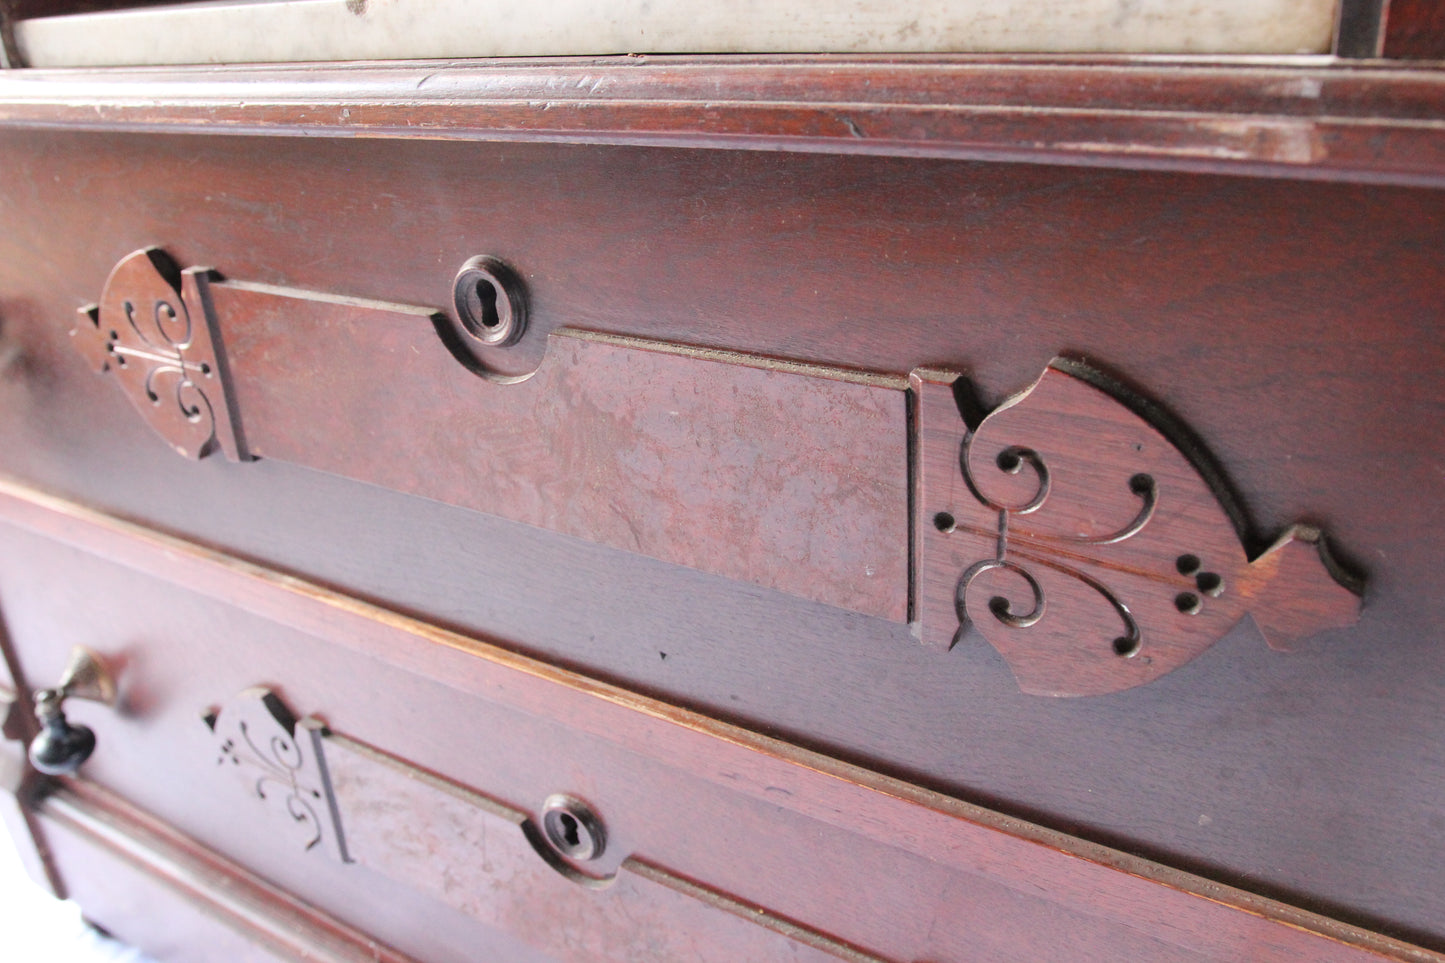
(1210, 584)
(1187, 564)
(1009, 461)
(1187, 602)
(1141, 484)
(482, 304)
(205, 369)
(120, 360)
(944, 522)
(115, 336)
(1126, 648)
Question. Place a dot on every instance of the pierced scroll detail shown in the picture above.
(281, 762)
(154, 332)
(1087, 548)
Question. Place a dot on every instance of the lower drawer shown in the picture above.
(454, 800)
(153, 889)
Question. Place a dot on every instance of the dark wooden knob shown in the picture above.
(61, 746)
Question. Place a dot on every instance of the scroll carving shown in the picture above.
(280, 761)
(1072, 528)
(1087, 548)
(154, 333)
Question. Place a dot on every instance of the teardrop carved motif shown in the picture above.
(1088, 548)
(154, 333)
(279, 761)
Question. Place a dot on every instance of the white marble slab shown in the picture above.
(303, 30)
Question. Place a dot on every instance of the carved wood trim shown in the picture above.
(1072, 528)
(1073, 533)
(1365, 123)
(947, 835)
(742, 466)
(155, 333)
(279, 760)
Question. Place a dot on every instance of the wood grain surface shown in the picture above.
(1301, 119)
(1087, 546)
(158, 890)
(1413, 29)
(878, 864)
(1292, 325)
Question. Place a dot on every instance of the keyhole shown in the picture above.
(490, 301)
(482, 303)
(572, 829)
(569, 831)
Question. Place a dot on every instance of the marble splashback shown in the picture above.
(334, 30)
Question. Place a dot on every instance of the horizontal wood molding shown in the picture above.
(1118, 893)
(229, 893)
(1295, 117)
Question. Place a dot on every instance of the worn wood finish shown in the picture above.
(485, 858)
(152, 886)
(1293, 326)
(160, 889)
(1304, 120)
(787, 475)
(764, 822)
(278, 760)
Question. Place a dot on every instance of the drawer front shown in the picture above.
(1238, 305)
(425, 792)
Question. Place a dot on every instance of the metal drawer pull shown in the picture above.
(61, 746)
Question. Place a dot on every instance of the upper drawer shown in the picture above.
(1237, 304)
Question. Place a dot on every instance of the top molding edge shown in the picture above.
(1301, 118)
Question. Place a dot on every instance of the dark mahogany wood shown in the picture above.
(18, 781)
(154, 332)
(1094, 552)
(788, 475)
(489, 860)
(874, 862)
(1369, 123)
(152, 886)
(779, 473)
(28, 9)
(1292, 326)
(1413, 30)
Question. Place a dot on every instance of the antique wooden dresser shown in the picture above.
(882, 505)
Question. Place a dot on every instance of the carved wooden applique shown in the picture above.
(1068, 529)
(153, 331)
(1087, 548)
(280, 761)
